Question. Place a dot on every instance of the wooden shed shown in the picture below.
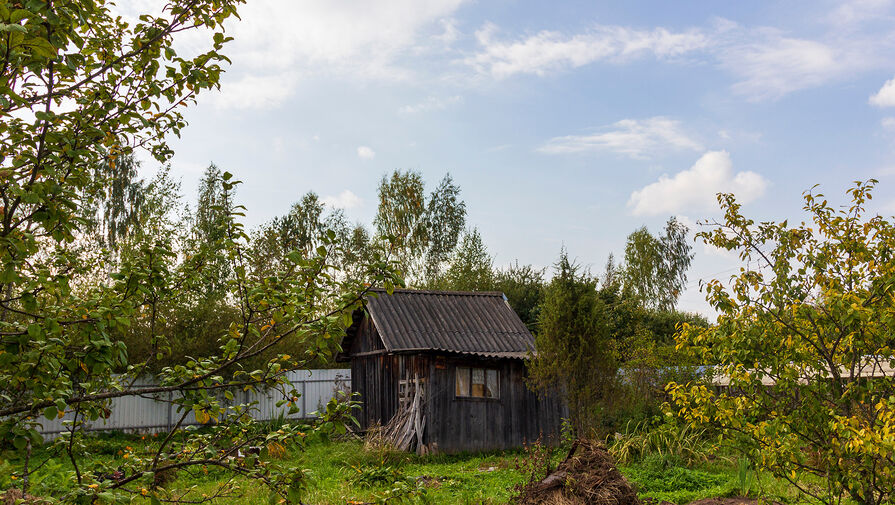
(450, 367)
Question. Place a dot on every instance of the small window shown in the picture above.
(477, 383)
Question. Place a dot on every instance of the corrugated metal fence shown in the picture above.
(154, 414)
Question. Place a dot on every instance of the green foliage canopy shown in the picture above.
(424, 229)
(79, 89)
(470, 267)
(655, 271)
(575, 351)
(804, 343)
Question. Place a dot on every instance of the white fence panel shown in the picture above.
(152, 414)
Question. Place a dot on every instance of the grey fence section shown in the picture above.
(154, 413)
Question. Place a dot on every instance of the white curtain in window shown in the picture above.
(491, 384)
(478, 382)
(462, 381)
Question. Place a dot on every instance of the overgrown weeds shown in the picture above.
(689, 444)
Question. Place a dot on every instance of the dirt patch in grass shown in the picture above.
(587, 476)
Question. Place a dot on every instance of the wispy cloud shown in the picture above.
(695, 189)
(255, 92)
(548, 51)
(852, 13)
(771, 66)
(765, 63)
(636, 138)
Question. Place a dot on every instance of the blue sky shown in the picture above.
(565, 123)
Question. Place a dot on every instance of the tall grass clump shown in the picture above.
(683, 442)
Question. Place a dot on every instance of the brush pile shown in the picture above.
(587, 476)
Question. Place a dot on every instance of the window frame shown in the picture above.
(469, 371)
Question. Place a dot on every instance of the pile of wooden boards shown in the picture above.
(405, 430)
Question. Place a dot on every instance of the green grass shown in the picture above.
(341, 472)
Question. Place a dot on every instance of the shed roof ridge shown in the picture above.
(469, 332)
(438, 292)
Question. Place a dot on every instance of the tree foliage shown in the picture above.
(523, 285)
(575, 352)
(304, 228)
(811, 315)
(445, 218)
(655, 271)
(79, 89)
(425, 229)
(608, 353)
(115, 211)
(470, 267)
(209, 233)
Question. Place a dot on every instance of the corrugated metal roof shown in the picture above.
(480, 323)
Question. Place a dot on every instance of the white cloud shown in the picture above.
(637, 138)
(365, 153)
(885, 97)
(361, 37)
(344, 200)
(360, 40)
(550, 50)
(773, 67)
(430, 104)
(697, 187)
(766, 63)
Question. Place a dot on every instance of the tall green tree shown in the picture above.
(210, 233)
(115, 209)
(401, 215)
(425, 229)
(523, 285)
(471, 267)
(445, 218)
(306, 224)
(655, 270)
(357, 253)
(304, 229)
(576, 354)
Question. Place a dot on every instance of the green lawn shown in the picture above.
(342, 472)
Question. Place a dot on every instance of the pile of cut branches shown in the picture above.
(587, 476)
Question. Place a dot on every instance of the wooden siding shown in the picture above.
(517, 417)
